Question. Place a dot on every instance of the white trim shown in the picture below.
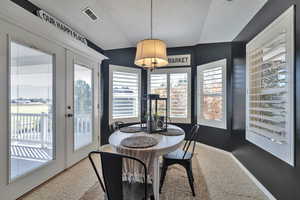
(113, 68)
(213, 123)
(247, 172)
(282, 150)
(169, 71)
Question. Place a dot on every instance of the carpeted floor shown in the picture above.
(176, 186)
(217, 177)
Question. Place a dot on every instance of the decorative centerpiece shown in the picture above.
(156, 119)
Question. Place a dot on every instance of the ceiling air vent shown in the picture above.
(90, 13)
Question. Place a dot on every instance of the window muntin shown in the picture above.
(125, 94)
(212, 94)
(173, 83)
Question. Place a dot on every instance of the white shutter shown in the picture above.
(159, 85)
(270, 91)
(125, 94)
(212, 94)
(175, 84)
(179, 95)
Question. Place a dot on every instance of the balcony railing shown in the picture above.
(36, 129)
(31, 129)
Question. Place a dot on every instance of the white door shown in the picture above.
(32, 117)
(82, 109)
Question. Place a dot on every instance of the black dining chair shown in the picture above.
(114, 187)
(182, 157)
(115, 126)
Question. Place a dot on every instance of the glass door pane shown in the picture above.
(83, 106)
(31, 109)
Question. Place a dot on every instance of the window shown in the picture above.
(83, 106)
(125, 86)
(212, 94)
(31, 109)
(173, 83)
(270, 88)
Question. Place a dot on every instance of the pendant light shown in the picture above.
(151, 53)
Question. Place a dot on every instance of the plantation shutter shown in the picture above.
(270, 95)
(268, 91)
(178, 95)
(125, 94)
(159, 85)
(212, 94)
(174, 84)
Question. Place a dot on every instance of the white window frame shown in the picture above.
(113, 68)
(222, 124)
(282, 150)
(169, 71)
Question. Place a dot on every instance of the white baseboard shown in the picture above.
(249, 174)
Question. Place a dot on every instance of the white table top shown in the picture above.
(165, 144)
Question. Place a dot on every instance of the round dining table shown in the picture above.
(166, 144)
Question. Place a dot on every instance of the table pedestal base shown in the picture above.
(156, 178)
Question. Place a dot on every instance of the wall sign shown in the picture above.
(179, 60)
(60, 25)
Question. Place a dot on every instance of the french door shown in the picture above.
(32, 107)
(82, 108)
(48, 109)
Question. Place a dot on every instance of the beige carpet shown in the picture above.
(218, 177)
(176, 186)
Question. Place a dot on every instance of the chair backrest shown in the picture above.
(115, 126)
(112, 168)
(191, 140)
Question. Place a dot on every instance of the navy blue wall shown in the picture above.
(200, 54)
(279, 178)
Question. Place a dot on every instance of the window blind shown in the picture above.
(270, 94)
(174, 84)
(125, 101)
(178, 95)
(212, 100)
(159, 85)
(212, 94)
(268, 91)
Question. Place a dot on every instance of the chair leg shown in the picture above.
(163, 175)
(189, 172)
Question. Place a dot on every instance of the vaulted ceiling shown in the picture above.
(122, 23)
